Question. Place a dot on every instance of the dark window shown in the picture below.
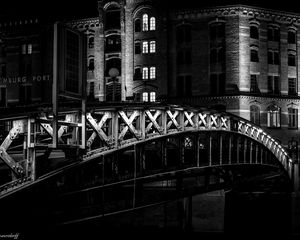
(24, 94)
(28, 69)
(2, 97)
(213, 84)
(254, 55)
(137, 48)
(253, 84)
(273, 34)
(293, 118)
(291, 37)
(273, 57)
(292, 87)
(91, 66)
(137, 25)
(112, 20)
(183, 34)
(91, 42)
(137, 74)
(188, 86)
(188, 57)
(273, 85)
(213, 55)
(92, 90)
(217, 83)
(3, 70)
(291, 59)
(255, 114)
(180, 57)
(217, 31)
(180, 86)
(254, 32)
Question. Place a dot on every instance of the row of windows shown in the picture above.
(273, 57)
(145, 73)
(147, 47)
(273, 85)
(273, 116)
(149, 96)
(149, 23)
(273, 34)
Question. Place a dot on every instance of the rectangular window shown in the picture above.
(253, 85)
(145, 73)
(3, 97)
(145, 97)
(145, 47)
(180, 85)
(152, 96)
(292, 87)
(273, 85)
(24, 49)
(152, 73)
(188, 86)
(29, 48)
(137, 48)
(274, 118)
(293, 117)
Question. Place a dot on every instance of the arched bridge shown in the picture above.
(77, 152)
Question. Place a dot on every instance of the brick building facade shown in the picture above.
(240, 59)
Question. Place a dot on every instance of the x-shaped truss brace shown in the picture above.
(98, 128)
(13, 133)
(202, 121)
(213, 122)
(189, 119)
(153, 121)
(129, 126)
(224, 122)
(49, 129)
(173, 119)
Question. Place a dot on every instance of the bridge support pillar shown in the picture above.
(31, 153)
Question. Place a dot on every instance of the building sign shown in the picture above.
(28, 79)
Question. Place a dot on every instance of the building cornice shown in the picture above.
(239, 10)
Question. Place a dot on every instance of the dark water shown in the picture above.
(212, 214)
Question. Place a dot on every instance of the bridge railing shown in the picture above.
(108, 128)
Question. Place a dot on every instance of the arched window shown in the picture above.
(152, 47)
(137, 25)
(254, 32)
(152, 23)
(274, 116)
(145, 22)
(145, 73)
(273, 34)
(137, 73)
(293, 117)
(255, 114)
(145, 47)
(91, 66)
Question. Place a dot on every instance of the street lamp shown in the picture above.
(113, 73)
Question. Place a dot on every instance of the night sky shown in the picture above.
(88, 8)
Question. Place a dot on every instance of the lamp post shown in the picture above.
(113, 73)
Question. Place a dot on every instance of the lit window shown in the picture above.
(29, 48)
(145, 22)
(152, 96)
(254, 114)
(152, 23)
(145, 96)
(293, 117)
(152, 72)
(145, 47)
(145, 73)
(274, 117)
(23, 48)
(152, 47)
